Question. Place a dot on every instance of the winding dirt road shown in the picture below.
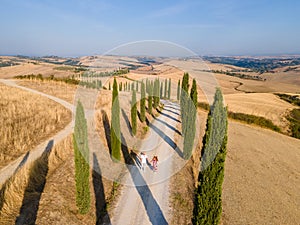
(31, 156)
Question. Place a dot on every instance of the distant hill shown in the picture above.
(257, 64)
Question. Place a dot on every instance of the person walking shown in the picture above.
(143, 158)
(154, 162)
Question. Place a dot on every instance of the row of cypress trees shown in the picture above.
(188, 106)
(208, 196)
(80, 136)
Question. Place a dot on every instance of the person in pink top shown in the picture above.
(154, 162)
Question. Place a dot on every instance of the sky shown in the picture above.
(88, 27)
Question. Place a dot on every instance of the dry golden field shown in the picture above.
(261, 170)
(266, 105)
(46, 69)
(262, 177)
(58, 89)
(26, 120)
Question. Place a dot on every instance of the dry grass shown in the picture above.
(265, 105)
(182, 184)
(28, 180)
(46, 69)
(262, 177)
(58, 203)
(44, 192)
(26, 120)
(58, 89)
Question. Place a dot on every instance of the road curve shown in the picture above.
(32, 155)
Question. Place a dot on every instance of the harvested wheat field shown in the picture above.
(36, 194)
(58, 204)
(262, 177)
(46, 69)
(26, 120)
(58, 89)
(266, 105)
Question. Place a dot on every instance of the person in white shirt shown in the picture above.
(143, 158)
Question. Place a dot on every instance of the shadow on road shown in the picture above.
(22, 163)
(106, 126)
(127, 121)
(4, 185)
(102, 216)
(166, 115)
(169, 126)
(171, 107)
(171, 111)
(35, 187)
(166, 138)
(153, 210)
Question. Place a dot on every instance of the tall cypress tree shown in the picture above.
(109, 87)
(161, 90)
(169, 89)
(120, 86)
(133, 113)
(81, 157)
(115, 125)
(156, 94)
(150, 99)
(208, 197)
(189, 135)
(184, 100)
(178, 90)
(194, 93)
(166, 88)
(143, 103)
(137, 86)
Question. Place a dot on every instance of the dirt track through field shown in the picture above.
(31, 156)
(145, 199)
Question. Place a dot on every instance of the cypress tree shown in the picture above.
(169, 89)
(150, 99)
(189, 135)
(178, 90)
(115, 125)
(120, 86)
(194, 93)
(81, 157)
(109, 87)
(137, 86)
(143, 103)
(208, 197)
(133, 113)
(161, 90)
(156, 94)
(166, 88)
(184, 100)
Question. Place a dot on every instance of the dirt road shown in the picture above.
(32, 155)
(144, 200)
